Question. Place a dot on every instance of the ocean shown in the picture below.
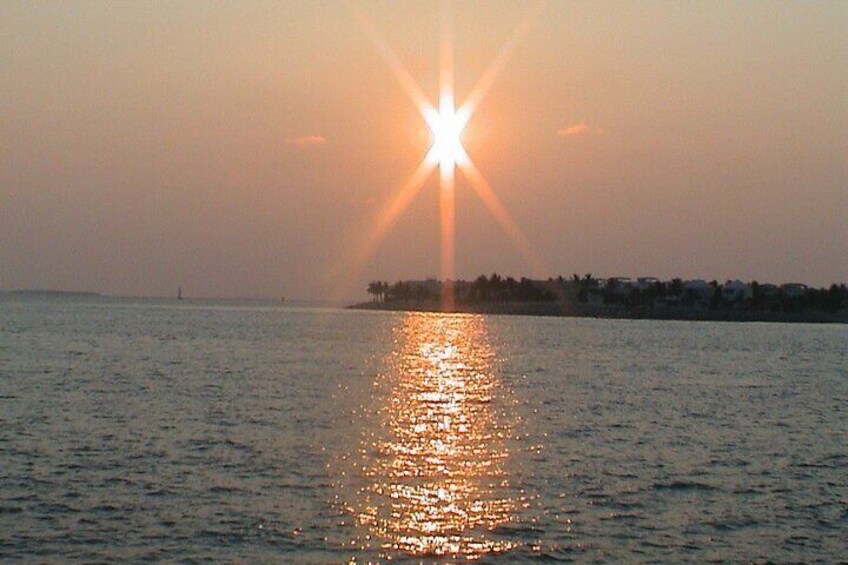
(152, 430)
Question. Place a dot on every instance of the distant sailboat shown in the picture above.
(179, 293)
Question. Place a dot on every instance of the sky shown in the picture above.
(246, 149)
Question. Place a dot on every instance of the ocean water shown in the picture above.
(157, 430)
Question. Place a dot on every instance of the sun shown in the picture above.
(446, 124)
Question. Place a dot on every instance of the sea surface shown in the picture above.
(194, 432)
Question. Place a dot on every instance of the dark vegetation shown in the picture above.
(620, 296)
(482, 290)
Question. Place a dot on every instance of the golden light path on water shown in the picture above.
(434, 480)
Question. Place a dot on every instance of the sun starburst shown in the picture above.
(446, 123)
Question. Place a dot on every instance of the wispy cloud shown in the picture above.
(312, 140)
(580, 128)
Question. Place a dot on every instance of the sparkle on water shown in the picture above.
(232, 431)
(434, 476)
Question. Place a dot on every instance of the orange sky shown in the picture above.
(244, 148)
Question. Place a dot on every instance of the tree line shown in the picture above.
(756, 296)
(483, 289)
(586, 289)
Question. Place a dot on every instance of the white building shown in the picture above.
(735, 291)
(794, 290)
(643, 283)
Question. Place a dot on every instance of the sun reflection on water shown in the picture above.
(434, 477)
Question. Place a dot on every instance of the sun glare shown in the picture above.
(447, 124)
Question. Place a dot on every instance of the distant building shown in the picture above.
(735, 291)
(794, 290)
(643, 283)
(769, 297)
(768, 289)
(619, 285)
(698, 291)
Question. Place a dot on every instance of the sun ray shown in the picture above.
(446, 74)
(447, 212)
(481, 186)
(487, 79)
(447, 143)
(409, 84)
(382, 224)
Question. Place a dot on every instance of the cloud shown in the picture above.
(312, 140)
(580, 128)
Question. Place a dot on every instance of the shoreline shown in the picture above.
(617, 312)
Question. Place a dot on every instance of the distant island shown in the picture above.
(60, 293)
(619, 297)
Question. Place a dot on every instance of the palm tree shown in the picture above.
(675, 287)
(374, 289)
